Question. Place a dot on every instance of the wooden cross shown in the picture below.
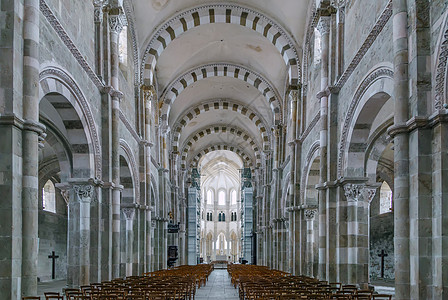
(53, 257)
(382, 255)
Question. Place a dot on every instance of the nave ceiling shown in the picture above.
(221, 38)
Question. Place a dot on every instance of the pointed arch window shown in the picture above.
(49, 197)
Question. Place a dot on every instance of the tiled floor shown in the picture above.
(218, 287)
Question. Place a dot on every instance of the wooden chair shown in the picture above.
(52, 295)
(31, 298)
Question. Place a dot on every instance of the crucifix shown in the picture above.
(382, 255)
(53, 257)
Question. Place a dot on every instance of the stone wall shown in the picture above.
(52, 237)
(382, 238)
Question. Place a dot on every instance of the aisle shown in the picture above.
(218, 287)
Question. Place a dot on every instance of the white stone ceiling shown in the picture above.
(221, 42)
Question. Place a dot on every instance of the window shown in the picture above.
(233, 197)
(223, 217)
(209, 197)
(385, 198)
(49, 197)
(123, 46)
(220, 217)
(222, 198)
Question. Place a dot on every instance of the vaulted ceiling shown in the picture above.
(225, 64)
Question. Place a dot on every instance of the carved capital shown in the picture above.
(310, 213)
(294, 94)
(353, 191)
(98, 11)
(129, 213)
(115, 23)
(83, 192)
(149, 93)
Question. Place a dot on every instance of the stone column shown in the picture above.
(78, 266)
(310, 242)
(31, 131)
(129, 214)
(98, 20)
(401, 151)
(115, 27)
(358, 201)
(324, 28)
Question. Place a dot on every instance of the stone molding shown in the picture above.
(128, 11)
(376, 74)
(290, 56)
(129, 127)
(62, 33)
(441, 69)
(61, 76)
(310, 127)
(418, 122)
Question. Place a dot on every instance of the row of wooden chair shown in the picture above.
(179, 283)
(260, 282)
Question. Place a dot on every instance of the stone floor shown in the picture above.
(218, 287)
(50, 286)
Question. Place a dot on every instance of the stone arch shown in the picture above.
(243, 155)
(221, 13)
(217, 129)
(53, 80)
(377, 144)
(154, 193)
(441, 68)
(368, 99)
(313, 153)
(220, 104)
(132, 165)
(221, 70)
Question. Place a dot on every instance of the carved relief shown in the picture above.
(310, 214)
(83, 192)
(116, 23)
(129, 213)
(441, 70)
(353, 191)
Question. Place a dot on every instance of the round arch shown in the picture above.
(221, 70)
(219, 105)
(243, 155)
(53, 80)
(221, 13)
(375, 89)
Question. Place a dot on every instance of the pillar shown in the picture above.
(30, 142)
(129, 214)
(324, 28)
(115, 27)
(310, 242)
(401, 151)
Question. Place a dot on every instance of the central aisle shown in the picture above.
(218, 287)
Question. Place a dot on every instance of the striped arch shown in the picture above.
(219, 105)
(75, 111)
(221, 13)
(367, 100)
(221, 70)
(217, 129)
(132, 165)
(247, 161)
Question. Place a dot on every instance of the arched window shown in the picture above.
(219, 217)
(49, 197)
(123, 46)
(209, 197)
(385, 198)
(233, 197)
(222, 198)
(223, 217)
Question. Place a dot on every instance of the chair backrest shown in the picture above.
(54, 297)
(381, 297)
(31, 298)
